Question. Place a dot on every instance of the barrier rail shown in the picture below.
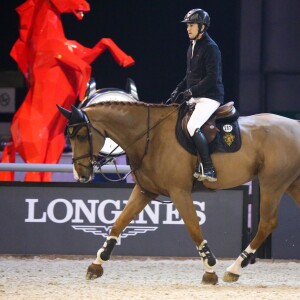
(24, 167)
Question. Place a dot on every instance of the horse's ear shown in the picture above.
(77, 114)
(64, 111)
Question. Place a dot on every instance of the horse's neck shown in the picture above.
(46, 23)
(126, 124)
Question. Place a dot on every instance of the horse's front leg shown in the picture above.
(119, 55)
(136, 203)
(185, 206)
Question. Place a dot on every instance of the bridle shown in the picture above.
(97, 160)
(72, 131)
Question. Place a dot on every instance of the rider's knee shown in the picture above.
(191, 128)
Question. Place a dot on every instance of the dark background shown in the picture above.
(151, 32)
(259, 40)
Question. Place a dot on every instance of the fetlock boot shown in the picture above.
(206, 170)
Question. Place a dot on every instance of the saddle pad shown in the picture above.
(227, 140)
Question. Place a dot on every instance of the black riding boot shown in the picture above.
(206, 169)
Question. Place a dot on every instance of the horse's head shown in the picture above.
(77, 7)
(85, 146)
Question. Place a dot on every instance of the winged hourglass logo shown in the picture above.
(104, 230)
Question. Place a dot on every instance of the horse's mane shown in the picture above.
(130, 103)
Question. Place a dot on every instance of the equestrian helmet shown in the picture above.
(198, 16)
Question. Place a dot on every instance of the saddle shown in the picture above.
(221, 129)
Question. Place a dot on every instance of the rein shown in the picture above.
(100, 163)
(146, 148)
(147, 133)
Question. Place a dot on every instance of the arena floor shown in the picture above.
(142, 278)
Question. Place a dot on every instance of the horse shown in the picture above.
(270, 151)
(54, 68)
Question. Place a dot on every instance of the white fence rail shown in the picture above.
(67, 168)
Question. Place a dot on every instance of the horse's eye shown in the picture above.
(82, 138)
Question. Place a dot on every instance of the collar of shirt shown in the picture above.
(193, 46)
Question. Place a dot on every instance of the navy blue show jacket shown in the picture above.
(204, 70)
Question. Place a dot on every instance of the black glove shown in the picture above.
(169, 101)
(173, 96)
(187, 95)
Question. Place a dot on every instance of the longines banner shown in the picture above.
(75, 219)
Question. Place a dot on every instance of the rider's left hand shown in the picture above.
(187, 95)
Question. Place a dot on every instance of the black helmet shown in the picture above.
(197, 15)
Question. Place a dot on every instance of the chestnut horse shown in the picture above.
(161, 166)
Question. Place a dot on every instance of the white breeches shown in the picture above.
(204, 108)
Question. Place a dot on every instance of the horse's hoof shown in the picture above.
(210, 278)
(230, 277)
(94, 271)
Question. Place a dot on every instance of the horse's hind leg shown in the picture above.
(269, 203)
(184, 204)
(136, 203)
(294, 191)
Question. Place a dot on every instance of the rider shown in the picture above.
(201, 86)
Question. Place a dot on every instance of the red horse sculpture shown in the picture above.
(57, 71)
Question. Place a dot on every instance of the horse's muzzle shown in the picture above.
(83, 179)
(83, 173)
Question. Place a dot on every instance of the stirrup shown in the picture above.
(209, 175)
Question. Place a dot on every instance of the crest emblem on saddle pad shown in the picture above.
(228, 137)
